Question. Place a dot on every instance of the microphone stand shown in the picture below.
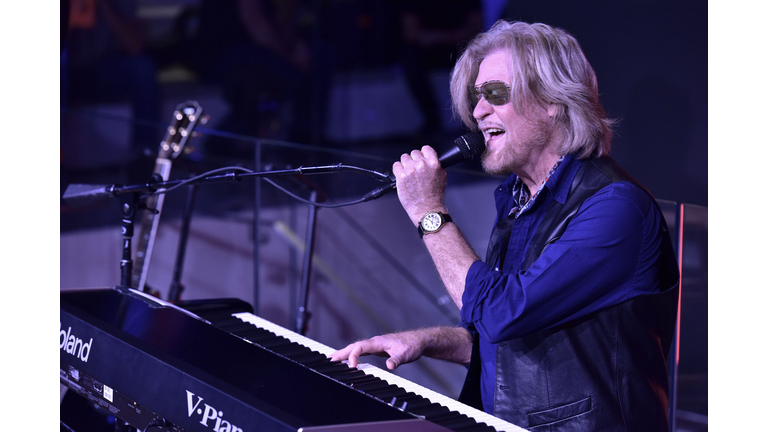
(82, 194)
(174, 293)
(302, 319)
(126, 263)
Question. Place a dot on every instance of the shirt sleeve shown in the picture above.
(595, 264)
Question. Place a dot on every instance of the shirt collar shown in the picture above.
(523, 198)
(558, 184)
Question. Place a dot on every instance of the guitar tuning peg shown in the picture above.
(187, 150)
(204, 119)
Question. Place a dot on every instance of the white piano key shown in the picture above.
(435, 397)
(438, 398)
(284, 332)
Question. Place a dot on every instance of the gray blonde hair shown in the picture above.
(548, 67)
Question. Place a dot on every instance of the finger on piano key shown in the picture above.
(430, 396)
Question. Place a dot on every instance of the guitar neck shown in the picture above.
(150, 220)
(184, 119)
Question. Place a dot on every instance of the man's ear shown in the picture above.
(553, 109)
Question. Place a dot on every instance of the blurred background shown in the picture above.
(290, 83)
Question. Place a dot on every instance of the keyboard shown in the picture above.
(215, 366)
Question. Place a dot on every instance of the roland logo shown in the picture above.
(72, 344)
(207, 413)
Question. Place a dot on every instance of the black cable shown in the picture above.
(157, 423)
(306, 201)
(198, 177)
(301, 170)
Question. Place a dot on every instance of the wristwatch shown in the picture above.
(432, 222)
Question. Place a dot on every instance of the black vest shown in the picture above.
(604, 372)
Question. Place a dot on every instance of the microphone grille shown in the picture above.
(470, 145)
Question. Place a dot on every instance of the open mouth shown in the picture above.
(492, 134)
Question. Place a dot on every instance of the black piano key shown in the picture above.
(346, 375)
(234, 325)
(250, 330)
(311, 357)
(460, 422)
(331, 367)
(442, 415)
(314, 363)
(275, 343)
(353, 374)
(365, 379)
(474, 427)
(242, 329)
(240, 379)
(413, 400)
(387, 395)
(444, 418)
(294, 350)
(368, 384)
(418, 404)
(256, 336)
(372, 387)
(432, 411)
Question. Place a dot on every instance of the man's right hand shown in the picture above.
(420, 182)
(453, 344)
(401, 348)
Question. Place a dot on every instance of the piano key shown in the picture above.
(310, 357)
(414, 401)
(347, 375)
(388, 377)
(388, 394)
(282, 331)
(373, 386)
(432, 411)
(185, 361)
(294, 350)
(357, 381)
(462, 422)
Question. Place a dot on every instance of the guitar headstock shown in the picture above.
(185, 118)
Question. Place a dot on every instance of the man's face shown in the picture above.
(514, 142)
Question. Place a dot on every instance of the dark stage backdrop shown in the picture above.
(651, 64)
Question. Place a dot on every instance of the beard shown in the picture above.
(520, 148)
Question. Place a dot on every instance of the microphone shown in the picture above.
(464, 148)
(78, 195)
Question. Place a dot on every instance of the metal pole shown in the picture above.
(256, 217)
(674, 351)
(303, 314)
(174, 293)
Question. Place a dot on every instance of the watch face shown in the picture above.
(431, 222)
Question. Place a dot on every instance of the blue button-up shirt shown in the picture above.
(606, 256)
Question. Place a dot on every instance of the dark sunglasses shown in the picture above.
(495, 92)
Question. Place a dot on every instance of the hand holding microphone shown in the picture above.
(463, 148)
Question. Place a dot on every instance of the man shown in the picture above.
(567, 323)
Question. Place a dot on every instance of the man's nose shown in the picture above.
(482, 109)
